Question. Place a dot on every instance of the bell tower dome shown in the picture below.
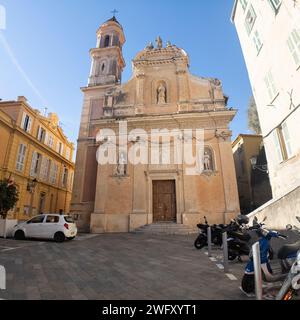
(107, 58)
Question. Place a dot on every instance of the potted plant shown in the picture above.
(9, 196)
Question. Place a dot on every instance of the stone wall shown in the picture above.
(280, 212)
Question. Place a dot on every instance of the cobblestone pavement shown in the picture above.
(116, 266)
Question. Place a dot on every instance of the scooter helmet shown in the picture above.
(242, 219)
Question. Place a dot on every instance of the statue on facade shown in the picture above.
(161, 94)
(150, 46)
(121, 166)
(207, 161)
(159, 42)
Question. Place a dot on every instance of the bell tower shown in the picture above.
(107, 58)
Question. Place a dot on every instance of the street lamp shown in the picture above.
(261, 167)
(31, 188)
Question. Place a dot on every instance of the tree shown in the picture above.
(9, 196)
(253, 120)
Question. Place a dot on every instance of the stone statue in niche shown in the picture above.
(161, 94)
(207, 161)
(121, 166)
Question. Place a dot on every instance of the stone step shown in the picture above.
(166, 228)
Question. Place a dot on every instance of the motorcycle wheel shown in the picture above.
(248, 284)
(200, 242)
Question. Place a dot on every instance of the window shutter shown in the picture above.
(38, 133)
(57, 146)
(23, 120)
(277, 146)
(29, 125)
(46, 138)
(287, 139)
(33, 164)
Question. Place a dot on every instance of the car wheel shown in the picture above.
(71, 238)
(59, 237)
(19, 235)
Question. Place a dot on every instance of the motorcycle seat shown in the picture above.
(288, 249)
(239, 235)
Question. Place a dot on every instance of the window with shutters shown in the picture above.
(257, 41)
(50, 141)
(53, 173)
(45, 169)
(21, 157)
(293, 43)
(270, 86)
(41, 134)
(26, 122)
(282, 142)
(68, 153)
(35, 164)
(250, 19)
(65, 177)
(286, 140)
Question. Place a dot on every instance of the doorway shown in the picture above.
(164, 201)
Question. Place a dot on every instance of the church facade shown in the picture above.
(132, 164)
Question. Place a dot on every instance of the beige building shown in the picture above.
(252, 180)
(36, 154)
(161, 96)
(269, 33)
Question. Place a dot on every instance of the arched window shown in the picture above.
(106, 41)
(102, 67)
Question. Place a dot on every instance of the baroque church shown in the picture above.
(161, 96)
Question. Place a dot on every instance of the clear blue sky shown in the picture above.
(44, 51)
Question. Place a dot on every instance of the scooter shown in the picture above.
(216, 234)
(265, 236)
(288, 253)
(291, 286)
(237, 241)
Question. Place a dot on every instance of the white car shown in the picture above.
(47, 226)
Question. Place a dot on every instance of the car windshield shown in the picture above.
(69, 219)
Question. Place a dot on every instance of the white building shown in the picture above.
(269, 33)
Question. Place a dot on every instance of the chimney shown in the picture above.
(22, 99)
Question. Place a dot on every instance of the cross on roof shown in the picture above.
(114, 12)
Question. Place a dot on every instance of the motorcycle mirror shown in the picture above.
(298, 218)
(265, 218)
(255, 219)
(289, 227)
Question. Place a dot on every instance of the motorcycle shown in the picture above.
(291, 285)
(288, 253)
(237, 240)
(265, 236)
(216, 234)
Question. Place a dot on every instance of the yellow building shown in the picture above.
(252, 180)
(36, 154)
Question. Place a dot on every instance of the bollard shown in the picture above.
(257, 271)
(209, 241)
(225, 251)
